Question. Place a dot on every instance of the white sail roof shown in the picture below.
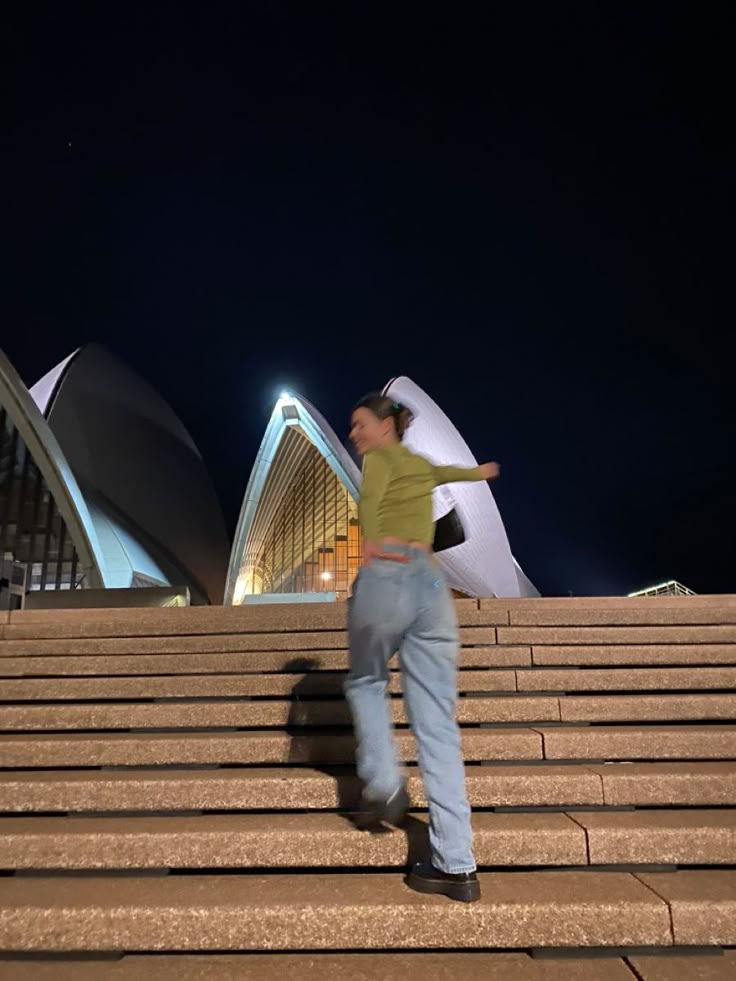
(483, 565)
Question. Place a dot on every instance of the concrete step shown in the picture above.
(712, 742)
(56, 642)
(366, 966)
(705, 634)
(645, 645)
(320, 840)
(718, 965)
(194, 622)
(153, 621)
(265, 713)
(701, 904)
(252, 713)
(646, 708)
(261, 800)
(274, 746)
(694, 784)
(622, 616)
(717, 600)
(616, 679)
(87, 662)
(328, 840)
(296, 616)
(328, 912)
(221, 686)
(231, 618)
(55, 638)
(157, 621)
(315, 683)
(261, 788)
(660, 837)
(612, 655)
(71, 664)
(49, 658)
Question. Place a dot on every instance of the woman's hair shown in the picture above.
(386, 408)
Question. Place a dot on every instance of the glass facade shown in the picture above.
(305, 537)
(32, 532)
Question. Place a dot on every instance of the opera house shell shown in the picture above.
(483, 565)
(101, 485)
(298, 536)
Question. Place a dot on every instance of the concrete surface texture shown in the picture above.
(175, 788)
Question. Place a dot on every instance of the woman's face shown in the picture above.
(368, 432)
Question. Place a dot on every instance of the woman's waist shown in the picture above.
(393, 543)
(408, 554)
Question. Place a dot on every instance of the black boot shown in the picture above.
(374, 813)
(424, 877)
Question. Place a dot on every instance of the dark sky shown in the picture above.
(529, 213)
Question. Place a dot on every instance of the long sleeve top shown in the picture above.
(396, 493)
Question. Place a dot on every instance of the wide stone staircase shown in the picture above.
(175, 784)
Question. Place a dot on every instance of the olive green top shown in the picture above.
(396, 493)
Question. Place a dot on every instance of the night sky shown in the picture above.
(529, 214)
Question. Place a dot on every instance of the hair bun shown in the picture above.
(404, 418)
(386, 408)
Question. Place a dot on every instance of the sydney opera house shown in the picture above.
(101, 487)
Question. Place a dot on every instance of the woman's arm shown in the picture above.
(456, 475)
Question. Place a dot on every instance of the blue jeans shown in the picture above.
(408, 607)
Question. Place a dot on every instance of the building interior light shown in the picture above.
(326, 576)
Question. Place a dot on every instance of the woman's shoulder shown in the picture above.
(413, 464)
(379, 454)
(395, 456)
(376, 460)
(417, 458)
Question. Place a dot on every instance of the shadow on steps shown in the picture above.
(324, 750)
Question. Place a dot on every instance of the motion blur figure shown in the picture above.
(401, 603)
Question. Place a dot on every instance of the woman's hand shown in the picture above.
(490, 471)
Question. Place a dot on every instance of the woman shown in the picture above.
(401, 602)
